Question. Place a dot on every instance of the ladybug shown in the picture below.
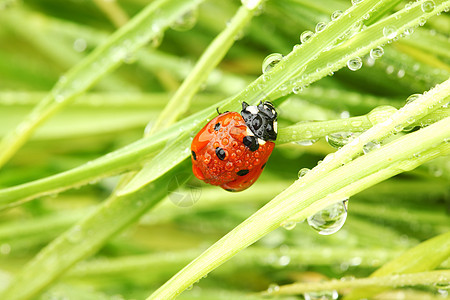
(231, 151)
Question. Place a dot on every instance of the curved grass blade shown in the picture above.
(86, 237)
(423, 257)
(387, 281)
(148, 24)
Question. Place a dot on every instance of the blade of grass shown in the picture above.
(148, 24)
(389, 281)
(425, 256)
(85, 238)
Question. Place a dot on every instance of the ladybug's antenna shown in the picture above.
(217, 109)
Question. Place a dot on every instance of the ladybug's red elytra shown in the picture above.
(231, 151)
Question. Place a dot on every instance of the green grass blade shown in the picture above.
(425, 256)
(153, 20)
(85, 238)
(387, 281)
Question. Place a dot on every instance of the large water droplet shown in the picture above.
(270, 61)
(186, 21)
(376, 52)
(340, 139)
(330, 219)
(322, 295)
(428, 6)
(306, 36)
(354, 2)
(390, 31)
(354, 64)
(370, 146)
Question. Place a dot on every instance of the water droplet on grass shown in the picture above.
(186, 21)
(427, 6)
(320, 26)
(370, 146)
(273, 287)
(306, 36)
(302, 172)
(289, 225)
(336, 14)
(412, 98)
(377, 52)
(322, 295)
(354, 64)
(330, 219)
(390, 31)
(270, 61)
(339, 139)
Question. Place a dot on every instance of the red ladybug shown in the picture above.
(232, 149)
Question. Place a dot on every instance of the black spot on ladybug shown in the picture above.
(243, 172)
(194, 155)
(262, 167)
(217, 127)
(251, 142)
(220, 153)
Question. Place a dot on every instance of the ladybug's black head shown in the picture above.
(261, 119)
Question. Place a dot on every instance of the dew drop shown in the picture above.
(297, 89)
(156, 40)
(354, 64)
(339, 139)
(79, 45)
(370, 146)
(273, 287)
(330, 219)
(302, 172)
(270, 61)
(427, 6)
(284, 260)
(336, 14)
(401, 73)
(412, 98)
(377, 52)
(5, 249)
(354, 2)
(306, 142)
(390, 31)
(306, 36)
(322, 295)
(320, 26)
(186, 21)
(289, 225)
